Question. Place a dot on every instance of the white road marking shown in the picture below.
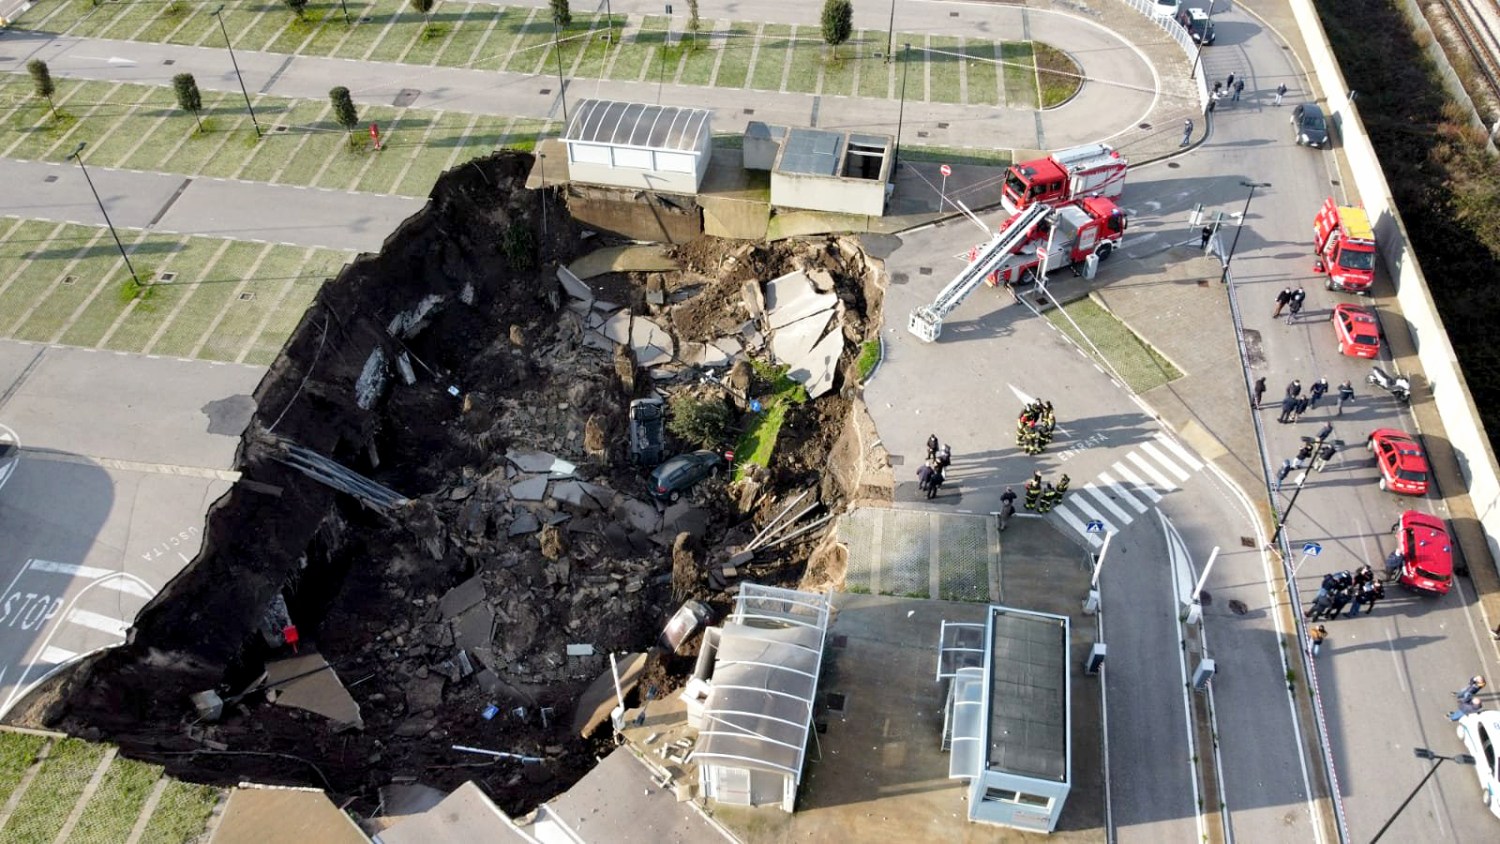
(1121, 490)
(1182, 454)
(1082, 529)
(1162, 480)
(1099, 496)
(96, 621)
(1164, 461)
(69, 569)
(1142, 486)
(55, 655)
(129, 587)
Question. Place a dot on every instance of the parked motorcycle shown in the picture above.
(1396, 385)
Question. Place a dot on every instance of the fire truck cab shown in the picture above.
(1344, 244)
(1091, 170)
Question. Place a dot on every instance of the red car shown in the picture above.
(1426, 553)
(1403, 465)
(1357, 330)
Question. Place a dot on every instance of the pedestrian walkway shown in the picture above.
(1132, 486)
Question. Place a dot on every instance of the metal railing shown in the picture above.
(1183, 38)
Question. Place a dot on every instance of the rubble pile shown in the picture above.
(512, 546)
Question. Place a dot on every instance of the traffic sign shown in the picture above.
(1096, 526)
(1312, 549)
(945, 170)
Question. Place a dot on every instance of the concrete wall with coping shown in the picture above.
(1450, 392)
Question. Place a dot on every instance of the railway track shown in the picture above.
(1477, 24)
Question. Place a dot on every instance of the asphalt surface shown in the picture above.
(169, 203)
(121, 456)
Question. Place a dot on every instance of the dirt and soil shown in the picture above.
(500, 366)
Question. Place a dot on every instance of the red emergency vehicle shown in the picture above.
(1092, 170)
(1070, 234)
(1345, 247)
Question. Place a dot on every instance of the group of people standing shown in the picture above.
(1294, 403)
(1034, 427)
(1468, 698)
(1042, 496)
(934, 471)
(1290, 299)
(1342, 589)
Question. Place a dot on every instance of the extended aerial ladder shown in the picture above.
(927, 321)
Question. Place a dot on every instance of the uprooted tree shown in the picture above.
(188, 96)
(701, 422)
(344, 111)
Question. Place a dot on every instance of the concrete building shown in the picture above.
(819, 170)
(751, 696)
(634, 145)
(1008, 718)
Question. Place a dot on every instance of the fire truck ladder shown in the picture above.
(927, 321)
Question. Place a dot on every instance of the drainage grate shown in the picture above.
(1238, 607)
(1173, 165)
(50, 179)
(68, 279)
(280, 128)
(897, 459)
(366, 19)
(942, 126)
(246, 297)
(405, 97)
(953, 14)
(924, 270)
(1202, 282)
(545, 91)
(836, 702)
(921, 134)
(1143, 126)
(749, 111)
(168, 278)
(169, 61)
(1247, 541)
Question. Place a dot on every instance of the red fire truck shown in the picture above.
(1092, 170)
(1345, 247)
(1067, 236)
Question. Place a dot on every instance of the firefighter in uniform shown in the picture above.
(1049, 498)
(1062, 487)
(1033, 491)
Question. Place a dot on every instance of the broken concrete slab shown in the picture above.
(684, 517)
(524, 522)
(583, 494)
(617, 328)
(640, 515)
(584, 649)
(465, 815)
(595, 340)
(315, 689)
(822, 280)
(574, 286)
(424, 693)
(533, 462)
(598, 699)
(791, 343)
(622, 259)
(408, 799)
(531, 489)
(729, 346)
(256, 814)
(461, 597)
(475, 628)
(815, 371)
(650, 342)
(792, 297)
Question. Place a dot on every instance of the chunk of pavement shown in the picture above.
(598, 699)
(815, 370)
(755, 300)
(424, 693)
(531, 489)
(650, 342)
(475, 628)
(533, 462)
(307, 682)
(822, 280)
(408, 799)
(525, 522)
(729, 346)
(692, 353)
(574, 286)
(740, 559)
(617, 328)
(640, 515)
(792, 297)
(621, 259)
(684, 517)
(791, 343)
(489, 681)
(461, 597)
(595, 340)
(583, 494)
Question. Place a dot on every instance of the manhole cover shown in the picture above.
(953, 14)
(1247, 541)
(899, 278)
(169, 61)
(545, 92)
(1173, 165)
(246, 297)
(168, 278)
(50, 179)
(749, 111)
(69, 279)
(1146, 126)
(898, 460)
(1238, 607)
(942, 126)
(405, 97)
(924, 270)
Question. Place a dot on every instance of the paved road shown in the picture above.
(121, 457)
(1124, 84)
(163, 202)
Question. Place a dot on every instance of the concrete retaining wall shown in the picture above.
(1450, 393)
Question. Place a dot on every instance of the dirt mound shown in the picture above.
(452, 370)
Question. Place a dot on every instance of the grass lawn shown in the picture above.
(771, 62)
(112, 811)
(181, 813)
(807, 61)
(494, 50)
(534, 47)
(946, 66)
(984, 85)
(1135, 361)
(734, 68)
(17, 752)
(1020, 74)
(1058, 76)
(957, 155)
(49, 799)
(759, 440)
(875, 77)
(698, 68)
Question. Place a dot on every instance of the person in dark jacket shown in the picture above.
(924, 477)
(1341, 599)
(1259, 391)
(932, 446)
(1318, 389)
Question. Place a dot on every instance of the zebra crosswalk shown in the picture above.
(1128, 488)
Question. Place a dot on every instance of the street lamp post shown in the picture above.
(901, 112)
(219, 13)
(890, 35)
(345, 7)
(1244, 215)
(1317, 445)
(1423, 753)
(78, 156)
(562, 87)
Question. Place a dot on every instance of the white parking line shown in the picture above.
(128, 586)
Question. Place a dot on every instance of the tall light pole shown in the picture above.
(890, 34)
(219, 13)
(1423, 753)
(78, 156)
(1193, 68)
(1244, 215)
(901, 113)
(345, 7)
(562, 87)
